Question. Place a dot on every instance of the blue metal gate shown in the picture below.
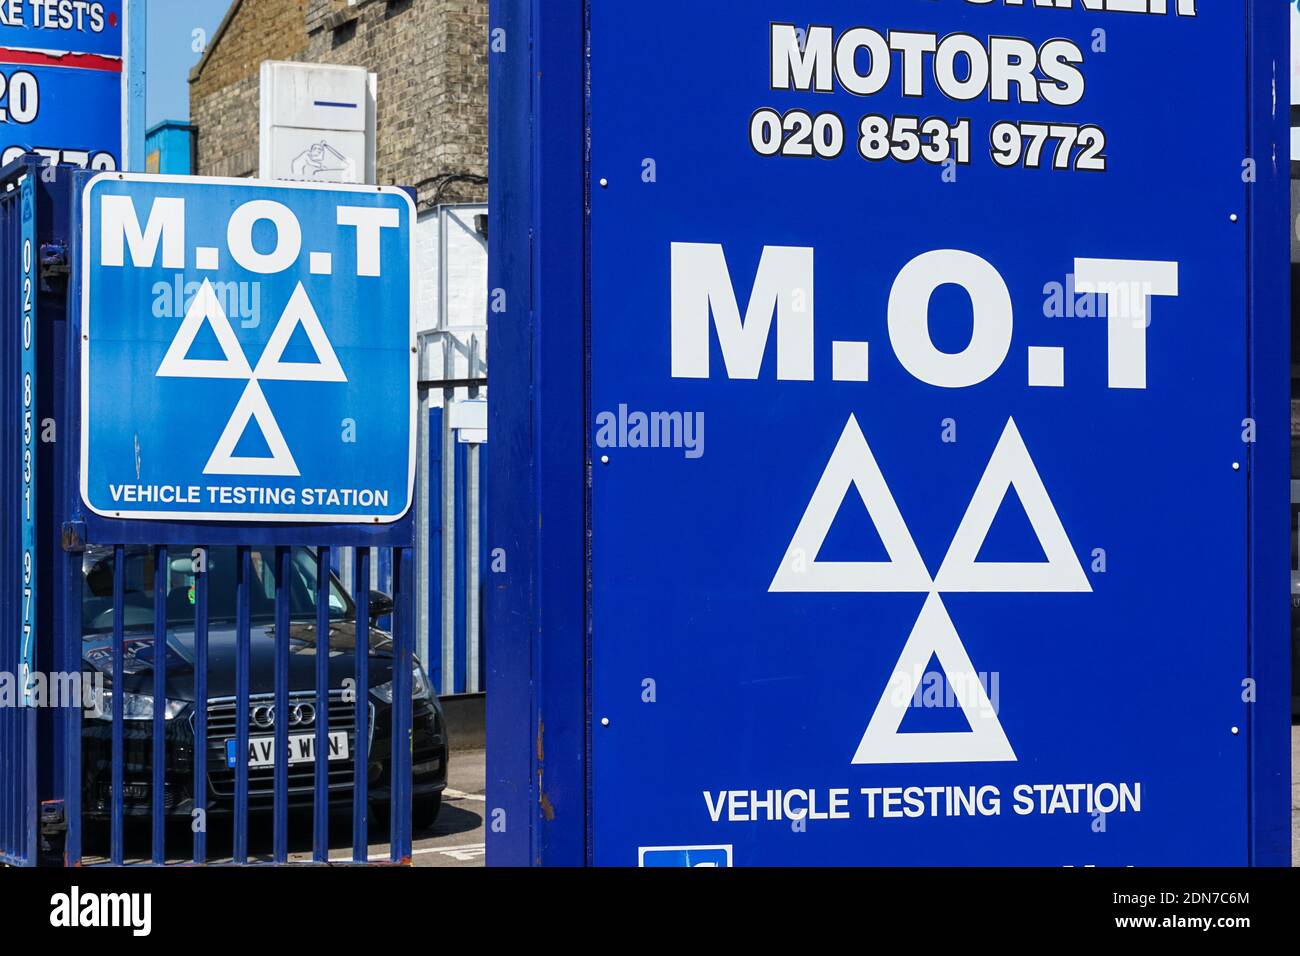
(161, 626)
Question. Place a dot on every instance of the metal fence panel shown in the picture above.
(158, 580)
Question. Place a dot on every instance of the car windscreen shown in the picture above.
(139, 577)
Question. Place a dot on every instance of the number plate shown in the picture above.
(302, 749)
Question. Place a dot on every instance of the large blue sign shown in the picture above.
(920, 425)
(61, 81)
(248, 351)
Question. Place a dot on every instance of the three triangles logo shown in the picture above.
(206, 311)
(852, 465)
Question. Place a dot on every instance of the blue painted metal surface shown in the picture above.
(48, 62)
(1269, 217)
(537, 711)
(850, 529)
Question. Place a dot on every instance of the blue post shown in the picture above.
(243, 595)
(158, 789)
(201, 710)
(116, 810)
(134, 92)
(280, 796)
(400, 783)
(320, 820)
(361, 751)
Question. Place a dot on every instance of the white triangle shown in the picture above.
(1010, 466)
(252, 405)
(934, 636)
(326, 368)
(205, 307)
(851, 465)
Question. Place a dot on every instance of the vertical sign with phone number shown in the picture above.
(61, 81)
(961, 290)
(28, 503)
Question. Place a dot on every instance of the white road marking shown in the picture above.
(468, 851)
(451, 794)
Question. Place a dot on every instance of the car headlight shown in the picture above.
(419, 687)
(134, 707)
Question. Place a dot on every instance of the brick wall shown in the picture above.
(431, 60)
(223, 88)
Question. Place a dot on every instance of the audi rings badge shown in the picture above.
(300, 715)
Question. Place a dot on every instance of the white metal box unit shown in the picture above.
(317, 123)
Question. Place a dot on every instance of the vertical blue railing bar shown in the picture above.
(72, 598)
(458, 681)
(403, 638)
(320, 805)
(243, 598)
(434, 556)
(201, 711)
(361, 757)
(280, 801)
(116, 851)
(161, 579)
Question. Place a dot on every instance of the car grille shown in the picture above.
(302, 777)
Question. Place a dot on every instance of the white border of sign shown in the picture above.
(85, 356)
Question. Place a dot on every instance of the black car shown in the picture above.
(429, 737)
